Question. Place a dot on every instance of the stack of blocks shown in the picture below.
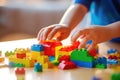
(36, 51)
(37, 54)
(82, 58)
(65, 50)
(20, 59)
(113, 58)
(49, 47)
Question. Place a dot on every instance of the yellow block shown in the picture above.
(27, 62)
(35, 54)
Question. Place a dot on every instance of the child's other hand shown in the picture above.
(96, 34)
(57, 31)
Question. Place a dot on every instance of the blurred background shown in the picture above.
(21, 19)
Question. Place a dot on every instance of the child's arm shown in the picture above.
(73, 15)
(97, 34)
(71, 18)
(115, 29)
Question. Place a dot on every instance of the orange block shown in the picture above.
(2, 59)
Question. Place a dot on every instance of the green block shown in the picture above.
(18, 65)
(101, 66)
(81, 55)
(115, 76)
(55, 62)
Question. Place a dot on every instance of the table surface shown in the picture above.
(7, 73)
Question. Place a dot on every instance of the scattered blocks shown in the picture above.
(66, 65)
(20, 71)
(38, 67)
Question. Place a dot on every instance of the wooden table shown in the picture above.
(7, 73)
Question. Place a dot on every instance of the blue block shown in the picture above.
(101, 60)
(11, 64)
(37, 47)
(52, 58)
(112, 61)
(111, 51)
(38, 67)
(83, 64)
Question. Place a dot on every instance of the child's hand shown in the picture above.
(57, 31)
(96, 34)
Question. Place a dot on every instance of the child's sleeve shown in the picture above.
(86, 3)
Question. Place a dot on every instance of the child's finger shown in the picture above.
(45, 33)
(75, 36)
(52, 33)
(84, 42)
(39, 34)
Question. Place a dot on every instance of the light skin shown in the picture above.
(72, 17)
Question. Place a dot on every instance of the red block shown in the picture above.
(19, 55)
(65, 58)
(67, 65)
(93, 52)
(49, 47)
(71, 47)
(20, 71)
(113, 57)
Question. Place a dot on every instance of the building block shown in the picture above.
(66, 65)
(83, 64)
(56, 62)
(11, 64)
(51, 58)
(112, 57)
(93, 52)
(20, 71)
(35, 54)
(64, 58)
(75, 44)
(101, 66)
(37, 47)
(100, 62)
(38, 67)
(2, 59)
(81, 55)
(115, 76)
(20, 53)
(27, 62)
(49, 47)
(111, 51)
(43, 59)
(112, 61)
(9, 53)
